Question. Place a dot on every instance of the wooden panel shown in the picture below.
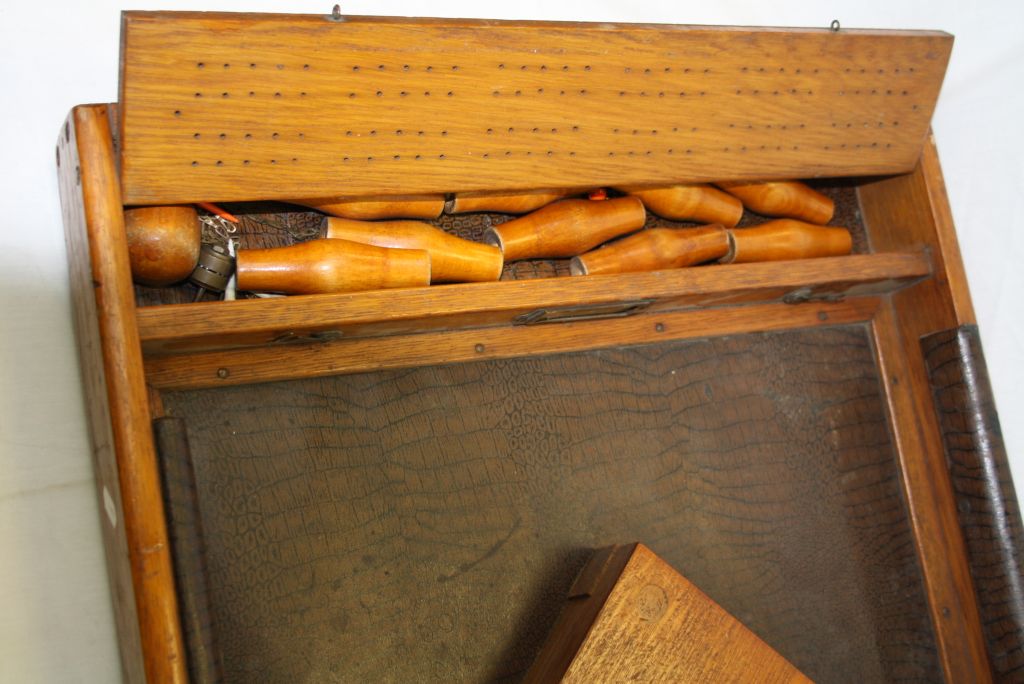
(904, 212)
(94, 385)
(104, 297)
(197, 327)
(245, 106)
(425, 524)
(642, 620)
(220, 368)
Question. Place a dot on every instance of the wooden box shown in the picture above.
(402, 484)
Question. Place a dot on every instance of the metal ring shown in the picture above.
(834, 26)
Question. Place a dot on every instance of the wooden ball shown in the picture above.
(163, 243)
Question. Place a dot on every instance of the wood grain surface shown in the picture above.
(637, 619)
(901, 211)
(249, 323)
(113, 354)
(245, 106)
(305, 358)
(985, 496)
(97, 404)
(424, 524)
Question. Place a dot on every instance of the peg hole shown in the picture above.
(200, 65)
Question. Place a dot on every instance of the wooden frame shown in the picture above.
(912, 286)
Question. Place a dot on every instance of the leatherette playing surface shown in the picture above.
(425, 524)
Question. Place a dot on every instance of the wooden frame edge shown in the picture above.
(285, 362)
(928, 493)
(126, 396)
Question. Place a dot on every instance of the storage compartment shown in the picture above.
(403, 483)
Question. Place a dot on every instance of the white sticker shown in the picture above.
(108, 504)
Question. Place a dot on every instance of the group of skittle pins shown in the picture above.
(366, 248)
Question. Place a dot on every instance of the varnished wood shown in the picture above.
(698, 202)
(163, 243)
(321, 359)
(653, 624)
(370, 208)
(655, 249)
(506, 104)
(190, 327)
(97, 404)
(567, 228)
(126, 396)
(784, 239)
(326, 266)
(930, 500)
(508, 203)
(452, 259)
(898, 211)
(784, 199)
(913, 209)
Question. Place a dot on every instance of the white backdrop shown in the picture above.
(56, 622)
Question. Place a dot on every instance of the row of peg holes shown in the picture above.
(566, 67)
(583, 92)
(552, 153)
(575, 129)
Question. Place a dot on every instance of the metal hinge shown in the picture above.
(806, 294)
(582, 313)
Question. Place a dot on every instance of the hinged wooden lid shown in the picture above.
(243, 106)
